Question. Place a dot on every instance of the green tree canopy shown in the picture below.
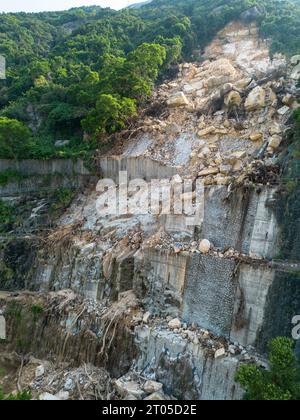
(109, 115)
(281, 382)
(15, 138)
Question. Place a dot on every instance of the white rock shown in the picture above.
(156, 396)
(39, 371)
(256, 99)
(196, 341)
(283, 110)
(152, 386)
(220, 353)
(232, 349)
(128, 388)
(46, 396)
(146, 317)
(209, 171)
(256, 137)
(296, 72)
(130, 397)
(177, 100)
(275, 129)
(206, 131)
(235, 156)
(295, 59)
(204, 246)
(174, 324)
(62, 143)
(206, 151)
(63, 395)
(69, 384)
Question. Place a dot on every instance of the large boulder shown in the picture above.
(220, 353)
(256, 137)
(275, 141)
(209, 171)
(222, 67)
(177, 100)
(156, 396)
(174, 324)
(206, 131)
(233, 99)
(275, 129)
(46, 396)
(152, 386)
(256, 99)
(126, 387)
(204, 246)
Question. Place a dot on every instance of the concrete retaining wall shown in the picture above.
(29, 167)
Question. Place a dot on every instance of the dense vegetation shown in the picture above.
(80, 75)
(281, 382)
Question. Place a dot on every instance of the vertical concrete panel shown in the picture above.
(250, 303)
(209, 293)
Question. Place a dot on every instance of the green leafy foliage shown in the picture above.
(36, 311)
(281, 382)
(10, 175)
(109, 115)
(15, 139)
(7, 216)
(63, 199)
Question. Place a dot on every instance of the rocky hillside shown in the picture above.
(146, 306)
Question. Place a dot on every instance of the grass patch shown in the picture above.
(7, 216)
(14, 310)
(36, 311)
(63, 199)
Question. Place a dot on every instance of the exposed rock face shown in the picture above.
(196, 303)
(251, 14)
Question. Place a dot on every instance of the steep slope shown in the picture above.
(183, 311)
